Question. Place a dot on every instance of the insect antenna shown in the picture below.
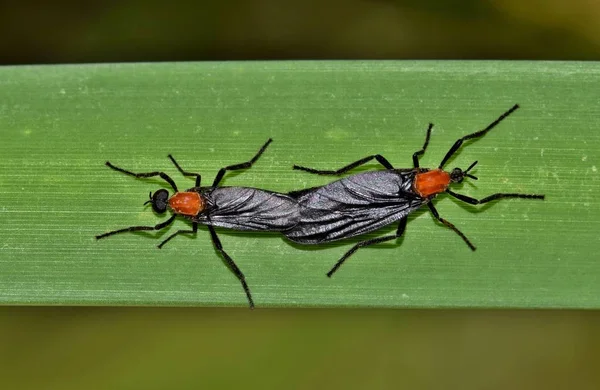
(149, 201)
(468, 169)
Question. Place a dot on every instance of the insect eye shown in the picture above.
(159, 201)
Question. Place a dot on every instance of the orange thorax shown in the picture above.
(187, 203)
(431, 182)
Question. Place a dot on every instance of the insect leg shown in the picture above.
(479, 133)
(231, 264)
(380, 159)
(160, 226)
(399, 232)
(451, 226)
(144, 175)
(186, 173)
(419, 153)
(193, 231)
(470, 200)
(243, 165)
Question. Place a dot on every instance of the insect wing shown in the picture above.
(243, 208)
(354, 205)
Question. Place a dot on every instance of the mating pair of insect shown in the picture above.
(349, 207)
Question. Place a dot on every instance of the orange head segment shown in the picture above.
(432, 182)
(187, 203)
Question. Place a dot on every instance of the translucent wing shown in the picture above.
(354, 205)
(243, 208)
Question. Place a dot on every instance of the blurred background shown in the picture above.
(152, 30)
(181, 348)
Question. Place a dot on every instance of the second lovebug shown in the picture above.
(239, 208)
(365, 202)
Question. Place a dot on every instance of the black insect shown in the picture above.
(367, 201)
(239, 208)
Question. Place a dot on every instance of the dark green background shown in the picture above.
(186, 348)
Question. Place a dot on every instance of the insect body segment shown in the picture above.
(186, 203)
(431, 183)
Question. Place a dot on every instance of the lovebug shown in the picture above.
(239, 208)
(365, 202)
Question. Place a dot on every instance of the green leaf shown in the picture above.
(59, 124)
